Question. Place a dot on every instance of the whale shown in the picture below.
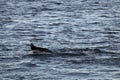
(39, 50)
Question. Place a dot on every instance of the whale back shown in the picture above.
(33, 47)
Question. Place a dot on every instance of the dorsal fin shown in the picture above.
(32, 46)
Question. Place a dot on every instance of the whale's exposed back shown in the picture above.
(39, 49)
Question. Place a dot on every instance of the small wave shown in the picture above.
(29, 64)
(8, 58)
(55, 2)
(17, 69)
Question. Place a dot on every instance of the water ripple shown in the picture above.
(83, 35)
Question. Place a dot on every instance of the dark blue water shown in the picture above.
(83, 34)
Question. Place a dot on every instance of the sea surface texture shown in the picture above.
(84, 36)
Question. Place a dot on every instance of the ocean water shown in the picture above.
(84, 36)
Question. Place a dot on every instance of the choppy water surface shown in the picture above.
(70, 28)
